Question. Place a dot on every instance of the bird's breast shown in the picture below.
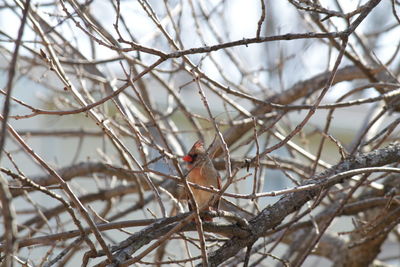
(197, 176)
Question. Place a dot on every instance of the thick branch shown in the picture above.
(273, 215)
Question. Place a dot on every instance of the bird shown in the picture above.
(202, 172)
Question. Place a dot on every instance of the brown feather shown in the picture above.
(202, 172)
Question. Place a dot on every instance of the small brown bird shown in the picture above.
(202, 172)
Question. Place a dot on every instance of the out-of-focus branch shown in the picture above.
(10, 81)
(292, 94)
(131, 70)
(78, 170)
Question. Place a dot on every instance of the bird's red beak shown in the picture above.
(188, 158)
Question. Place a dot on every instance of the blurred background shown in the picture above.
(82, 40)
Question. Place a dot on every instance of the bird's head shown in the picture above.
(195, 152)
